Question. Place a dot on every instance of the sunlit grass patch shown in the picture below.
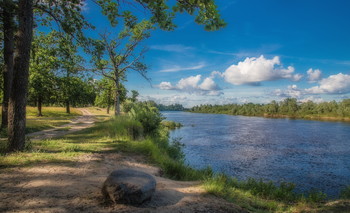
(48, 112)
(39, 124)
(171, 125)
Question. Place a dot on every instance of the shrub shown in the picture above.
(171, 125)
(148, 115)
(127, 106)
(345, 193)
(121, 127)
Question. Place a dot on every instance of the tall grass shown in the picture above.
(120, 128)
(168, 155)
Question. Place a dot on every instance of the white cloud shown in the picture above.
(188, 83)
(334, 84)
(314, 75)
(177, 68)
(313, 99)
(165, 86)
(255, 70)
(292, 91)
(193, 85)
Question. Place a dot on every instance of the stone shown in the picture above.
(129, 186)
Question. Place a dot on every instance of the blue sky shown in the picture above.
(269, 50)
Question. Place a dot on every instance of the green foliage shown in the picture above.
(148, 115)
(171, 125)
(134, 95)
(256, 195)
(122, 128)
(286, 108)
(162, 14)
(172, 107)
(127, 106)
(345, 193)
(54, 77)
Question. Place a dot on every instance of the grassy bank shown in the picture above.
(129, 135)
(52, 117)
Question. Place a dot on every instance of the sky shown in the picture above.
(269, 50)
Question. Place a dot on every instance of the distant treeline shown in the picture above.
(172, 107)
(289, 107)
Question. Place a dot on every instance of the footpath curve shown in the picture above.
(81, 122)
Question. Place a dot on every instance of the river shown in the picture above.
(311, 154)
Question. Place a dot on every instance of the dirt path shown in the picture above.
(79, 123)
(77, 188)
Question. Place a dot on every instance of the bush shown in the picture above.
(127, 106)
(148, 115)
(171, 125)
(345, 193)
(121, 127)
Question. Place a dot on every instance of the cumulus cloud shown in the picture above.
(334, 84)
(312, 98)
(291, 92)
(193, 85)
(255, 70)
(165, 86)
(314, 75)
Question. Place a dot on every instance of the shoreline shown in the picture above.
(312, 118)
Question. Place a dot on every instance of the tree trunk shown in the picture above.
(117, 98)
(40, 100)
(8, 29)
(108, 107)
(67, 107)
(18, 97)
(109, 100)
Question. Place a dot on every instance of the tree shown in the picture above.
(44, 62)
(70, 66)
(23, 10)
(67, 14)
(8, 50)
(121, 54)
(134, 95)
(106, 95)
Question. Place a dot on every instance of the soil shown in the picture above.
(76, 186)
(79, 123)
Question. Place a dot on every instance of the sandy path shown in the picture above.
(76, 187)
(79, 123)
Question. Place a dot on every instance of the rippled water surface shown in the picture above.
(312, 154)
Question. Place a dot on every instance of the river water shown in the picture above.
(311, 154)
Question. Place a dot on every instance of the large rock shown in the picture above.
(129, 186)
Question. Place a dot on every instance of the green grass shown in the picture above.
(52, 117)
(52, 112)
(171, 125)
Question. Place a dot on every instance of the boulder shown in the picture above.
(128, 186)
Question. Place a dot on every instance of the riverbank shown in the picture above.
(65, 175)
(287, 108)
(297, 117)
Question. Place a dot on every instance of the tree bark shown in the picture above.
(109, 100)
(8, 28)
(117, 98)
(67, 107)
(67, 92)
(18, 97)
(40, 101)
